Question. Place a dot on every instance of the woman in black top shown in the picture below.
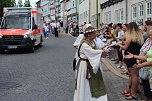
(133, 43)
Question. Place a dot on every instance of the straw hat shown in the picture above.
(90, 29)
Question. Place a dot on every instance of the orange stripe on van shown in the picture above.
(36, 12)
(37, 31)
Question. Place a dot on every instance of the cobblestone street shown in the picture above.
(46, 74)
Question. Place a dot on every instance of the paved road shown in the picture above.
(46, 74)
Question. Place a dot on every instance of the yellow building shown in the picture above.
(95, 13)
(84, 12)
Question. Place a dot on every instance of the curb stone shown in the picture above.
(112, 67)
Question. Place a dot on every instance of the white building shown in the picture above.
(62, 10)
(125, 11)
(72, 10)
(139, 11)
(46, 10)
(84, 11)
(52, 9)
(56, 9)
(113, 11)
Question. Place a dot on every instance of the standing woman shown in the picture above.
(133, 43)
(146, 65)
(89, 80)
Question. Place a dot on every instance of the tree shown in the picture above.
(6, 3)
(14, 3)
(20, 4)
(27, 3)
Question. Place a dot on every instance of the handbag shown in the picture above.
(144, 73)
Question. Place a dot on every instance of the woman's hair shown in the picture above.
(148, 22)
(135, 33)
(89, 30)
(119, 25)
(125, 24)
(150, 31)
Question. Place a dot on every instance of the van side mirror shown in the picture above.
(34, 27)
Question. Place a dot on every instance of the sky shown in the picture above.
(31, 1)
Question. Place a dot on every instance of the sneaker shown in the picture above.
(122, 67)
(118, 66)
(116, 62)
(112, 59)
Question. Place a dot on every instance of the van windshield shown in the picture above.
(16, 21)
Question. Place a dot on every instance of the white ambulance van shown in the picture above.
(21, 28)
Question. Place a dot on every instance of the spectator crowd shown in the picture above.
(130, 47)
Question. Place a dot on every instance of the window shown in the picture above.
(73, 4)
(141, 21)
(134, 12)
(109, 16)
(149, 18)
(141, 10)
(134, 20)
(149, 8)
(106, 17)
(121, 14)
(84, 14)
(117, 15)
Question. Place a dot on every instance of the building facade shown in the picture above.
(139, 11)
(72, 10)
(113, 11)
(46, 10)
(52, 9)
(125, 11)
(84, 11)
(57, 7)
(95, 12)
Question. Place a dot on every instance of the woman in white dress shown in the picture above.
(89, 80)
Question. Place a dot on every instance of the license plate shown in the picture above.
(12, 47)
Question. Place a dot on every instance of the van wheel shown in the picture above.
(40, 44)
(31, 49)
(1, 51)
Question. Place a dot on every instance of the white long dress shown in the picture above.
(82, 93)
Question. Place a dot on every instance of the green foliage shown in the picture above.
(20, 4)
(6, 3)
(27, 3)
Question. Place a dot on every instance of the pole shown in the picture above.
(64, 14)
(55, 9)
(89, 9)
(126, 11)
(97, 11)
(76, 11)
(58, 8)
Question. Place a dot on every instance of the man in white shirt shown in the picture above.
(56, 29)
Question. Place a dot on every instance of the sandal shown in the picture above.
(128, 94)
(138, 91)
(126, 91)
(130, 97)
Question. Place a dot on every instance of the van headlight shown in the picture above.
(26, 35)
(0, 36)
